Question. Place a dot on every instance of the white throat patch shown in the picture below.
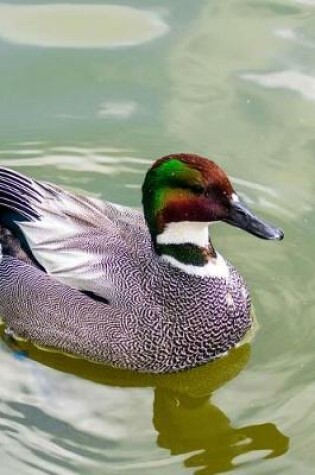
(185, 232)
(196, 233)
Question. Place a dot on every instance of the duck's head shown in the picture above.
(184, 193)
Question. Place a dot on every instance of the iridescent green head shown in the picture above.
(184, 187)
(190, 188)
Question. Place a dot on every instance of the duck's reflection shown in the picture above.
(183, 415)
(187, 425)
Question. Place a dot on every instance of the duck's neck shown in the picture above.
(186, 245)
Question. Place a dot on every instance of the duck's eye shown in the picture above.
(198, 189)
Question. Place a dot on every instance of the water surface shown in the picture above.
(90, 109)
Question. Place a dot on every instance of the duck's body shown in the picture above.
(108, 283)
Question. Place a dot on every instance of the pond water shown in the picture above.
(91, 94)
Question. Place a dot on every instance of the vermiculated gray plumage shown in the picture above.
(153, 317)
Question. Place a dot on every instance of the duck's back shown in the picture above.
(78, 240)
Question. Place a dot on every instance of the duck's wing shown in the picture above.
(68, 235)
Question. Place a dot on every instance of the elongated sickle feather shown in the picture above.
(20, 195)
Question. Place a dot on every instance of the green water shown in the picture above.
(89, 98)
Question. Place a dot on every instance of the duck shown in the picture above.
(142, 290)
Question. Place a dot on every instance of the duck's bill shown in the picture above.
(241, 217)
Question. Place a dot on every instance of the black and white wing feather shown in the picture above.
(67, 234)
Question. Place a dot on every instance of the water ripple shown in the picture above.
(292, 80)
(79, 26)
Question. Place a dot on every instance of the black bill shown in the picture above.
(241, 217)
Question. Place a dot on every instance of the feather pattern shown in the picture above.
(146, 336)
